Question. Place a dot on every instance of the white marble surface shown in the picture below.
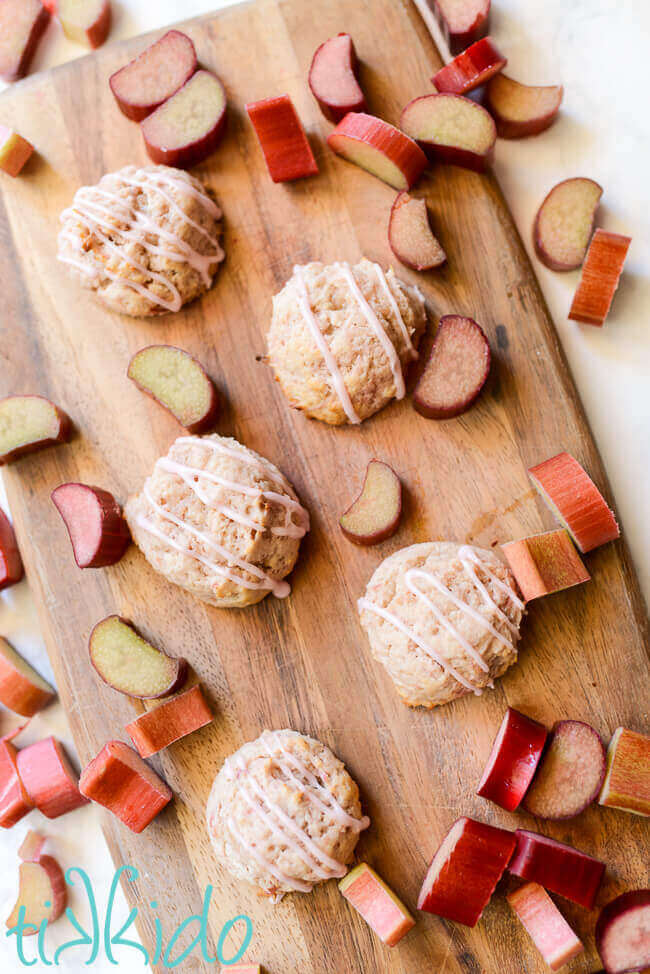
(597, 49)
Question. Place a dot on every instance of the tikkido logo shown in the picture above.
(98, 937)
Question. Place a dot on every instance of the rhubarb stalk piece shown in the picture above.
(30, 423)
(600, 276)
(49, 778)
(623, 933)
(513, 760)
(11, 564)
(42, 892)
(465, 871)
(521, 110)
(118, 779)
(457, 370)
(287, 152)
(570, 774)
(375, 514)
(333, 78)
(470, 69)
(410, 236)
(576, 502)
(169, 722)
(545, 563)
(15, 803)
(31, 847)
(175, 380)
(549, 931)
(97, 530)
(375, 901)
(627, 781)
(451, 129)
(462, 21)
(154, 75)
(188, 127)
(379, 148)
(557, 867)
(128, 663)
(14, 151)
(22, 689)
(564, 223)
(22, 23)
(85, 21)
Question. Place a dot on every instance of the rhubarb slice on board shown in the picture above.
(333, 78)
(465, 871)
(14, 151)
(545, 563)
(515, 755)
(410, 236)
(627, 780)
(379, 148)
(570, 773)
(169, 721)
(154, 75)
(600, 276)
(470, 69)
(521, 110)
(287, 152)
(451, 129)
(119, 779)
(462, 21)
(557, 867)
(549, 931)
(574, 499)
(22, 23)
(49, 778)
(623, 933)
(375, 901)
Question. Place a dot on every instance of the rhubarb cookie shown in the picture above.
(219, 520)
(146, 241)
(284, 814)
(443, 619)
(341, 337)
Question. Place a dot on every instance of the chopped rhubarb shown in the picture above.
(410, 235)
(287, 152)
(476, 65)
(375, 514)
(169, 721)
(600, 276)
(85, 21)
(154, 75)
(515, 755)
(31, 847)
(22, 23)
(11, 564)
(557, 867)
(551, 934)
(462, 21)
(575, 500)
(627, 781)
(49, 778)
(30, 423)
(15, 803)
(545, 563)
(333, 78)
(375, 901)
(623, 933)
(452, 129)
(22, 689)
(570, 773)
(465, 871)
(379, 148)
(14, 151)
(42, 895)
(188, 127)
(97, 530)
(520, 110)
(564, 223)
(118, 779)
(457, 370)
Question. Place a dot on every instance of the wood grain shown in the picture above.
(304, 662)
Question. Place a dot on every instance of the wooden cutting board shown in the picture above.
(304, 662)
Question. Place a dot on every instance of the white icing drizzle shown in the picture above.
(382, 335)
(277, 874)
(411, 351)
(323, 347)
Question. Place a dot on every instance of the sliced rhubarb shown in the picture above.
(375, 514)
(470, 69)
(85, 21)
(154, 76)
(31, 847)
(549, 931)
(15, 802)
(128, 663)
(11, 564)
(601, 273)
(14, 151)
(557, 867)
(22, 23)
(410, 236)
(514, 758)
(379, 148)
(623, 933)
(22, 689)
(462, 21)
(49, 778)
(457, 370)
(282, 138)
(179, 383)
(452, 129)
(545, 563)
(42, 895)
(188, 127)
(465, 871)
(375, 901)
(333, 78)
(97, 530)
(627, 781)
(119, 780)
(169, 722)
(570, 773)
(564, 223)
(575, 500)
(30, 423)
(520, 110)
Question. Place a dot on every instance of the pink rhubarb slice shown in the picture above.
(551, 934)
(375, 901)
(545, 563)
(601, 273)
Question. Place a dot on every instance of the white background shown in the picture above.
(597, 50)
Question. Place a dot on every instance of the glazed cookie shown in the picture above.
(218, 520)
(341, 338)
(146, 241)
(284, 814)
(443, 619)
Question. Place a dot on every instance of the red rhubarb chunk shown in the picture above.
(285, 146)
(557, 867)
(375, 901)
(154, 76)
(333, 78)
(22, 23)
(545, 563)
(169, 722)
(601, 272)
(623, 933)
(49, 778)
(11, 564)
(120, 780)
(15, 803)
(572, 496)
(22, 689)
(465, 871)
(379, 148)
(462, 21)
(551, 934)
(480, 62)
(627, 782)
(513, 760)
